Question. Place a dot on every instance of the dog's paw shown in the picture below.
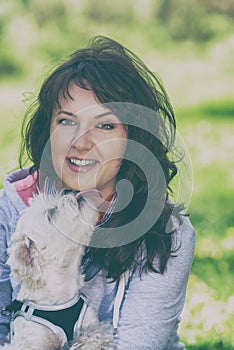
(97, 337)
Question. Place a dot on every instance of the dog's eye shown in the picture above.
(51, 213)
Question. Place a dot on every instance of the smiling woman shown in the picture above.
(87, 143)
(103, 121)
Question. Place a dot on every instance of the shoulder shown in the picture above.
(11, 200)
(184, 237)
(18, 187)
(181, 259)
(26, 185)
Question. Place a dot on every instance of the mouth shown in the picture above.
(81, 164)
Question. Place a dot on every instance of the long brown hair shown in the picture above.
(120, 80)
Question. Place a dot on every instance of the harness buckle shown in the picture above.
(26, 311)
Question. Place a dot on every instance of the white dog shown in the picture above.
(45, 256)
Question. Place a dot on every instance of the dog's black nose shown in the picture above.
(67, 191)
(77, 194)
(82, 195)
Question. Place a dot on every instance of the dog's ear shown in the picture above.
(24, 260)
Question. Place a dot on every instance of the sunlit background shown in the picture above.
(190, 44)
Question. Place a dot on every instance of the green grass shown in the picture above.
(206, 346)
(208, 131)
(209, 110)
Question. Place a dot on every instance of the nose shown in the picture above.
(82, 140)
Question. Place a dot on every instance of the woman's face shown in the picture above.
(87, 142)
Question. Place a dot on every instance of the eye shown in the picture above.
(51, 214)
(66, 122)
(105, 126)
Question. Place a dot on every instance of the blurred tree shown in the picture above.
(165, 9)
(54, 30)
(33, 32)
(225, 6)
(106, 10)
(46, 11)
(25, 3)
(10, 65)
(195, 20)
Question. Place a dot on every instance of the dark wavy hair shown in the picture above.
(120, 80)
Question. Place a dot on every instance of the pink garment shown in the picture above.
(27, 187)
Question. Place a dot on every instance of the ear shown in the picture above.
(24, 260)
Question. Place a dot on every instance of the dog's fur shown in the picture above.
(45, 256)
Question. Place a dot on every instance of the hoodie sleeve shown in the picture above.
(152, 306)
(5, 284)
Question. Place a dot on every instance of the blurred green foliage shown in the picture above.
(209, 135)
(190, 43)
(39, 30)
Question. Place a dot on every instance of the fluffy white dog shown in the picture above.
(45, 256)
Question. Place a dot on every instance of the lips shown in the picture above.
(81, 165)
(82, 162)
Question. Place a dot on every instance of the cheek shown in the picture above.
(59, 142)
(119, 149)
(112, 157)
(55, 156)
(55, 149)
(58, 153)
(113, 149)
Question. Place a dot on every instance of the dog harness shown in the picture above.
(63, 320)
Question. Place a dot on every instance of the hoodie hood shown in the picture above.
(19, 186)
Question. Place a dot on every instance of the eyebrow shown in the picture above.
(74, 115)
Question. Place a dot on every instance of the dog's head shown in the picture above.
(74, 219)
(48, 228)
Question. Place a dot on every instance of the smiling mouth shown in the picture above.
(82, 162)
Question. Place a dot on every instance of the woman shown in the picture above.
(103, 120)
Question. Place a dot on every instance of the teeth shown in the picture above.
(82, 162)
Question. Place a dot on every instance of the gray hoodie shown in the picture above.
(148, 310)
